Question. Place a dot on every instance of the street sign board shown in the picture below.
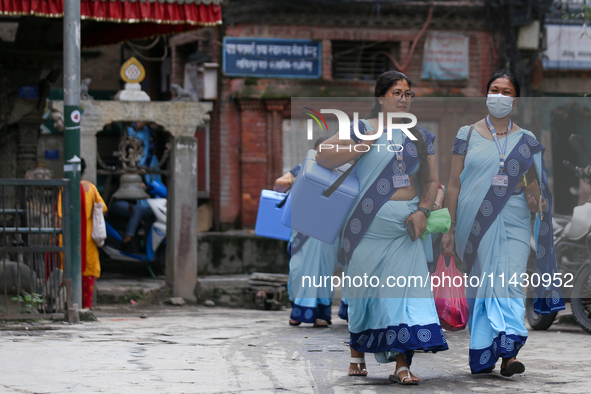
(569, 47)
(271, 58)
(445, 57)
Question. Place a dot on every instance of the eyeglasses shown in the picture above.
(397, 94)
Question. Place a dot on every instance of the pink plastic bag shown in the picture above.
(450, 300)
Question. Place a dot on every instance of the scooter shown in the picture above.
(572, 244)
(152, 244)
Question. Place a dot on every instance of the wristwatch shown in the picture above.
(425, 211)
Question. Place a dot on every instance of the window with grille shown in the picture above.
(362, 60)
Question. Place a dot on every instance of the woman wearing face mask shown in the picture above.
(498, 176)
(398, 185)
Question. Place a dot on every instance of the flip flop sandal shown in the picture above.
(512, 368)
(405, 381)
(358, 360)
(297, 323)
(320, 323)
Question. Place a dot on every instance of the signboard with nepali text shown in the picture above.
(271, 58)
(569, 47)
(445, 57)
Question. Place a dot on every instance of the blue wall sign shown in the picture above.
(28, 92)
(271, 58)
(52, 154)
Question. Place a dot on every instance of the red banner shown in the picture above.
(141, 18)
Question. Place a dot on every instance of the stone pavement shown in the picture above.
(114, 289)
(203, 350)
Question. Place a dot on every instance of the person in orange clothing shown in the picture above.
(91, 267)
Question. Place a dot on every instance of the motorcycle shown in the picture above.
(572, 244)
(152, 245)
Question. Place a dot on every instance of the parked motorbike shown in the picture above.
(152, 244)
(572, 244)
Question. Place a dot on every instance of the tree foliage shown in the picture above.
(581, 12)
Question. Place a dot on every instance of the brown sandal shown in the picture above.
(294, 322)
(513, 368)
(320, 323)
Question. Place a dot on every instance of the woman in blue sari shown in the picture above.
(311, 258)
(398, 184)
(493, 161)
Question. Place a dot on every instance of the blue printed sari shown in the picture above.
(388, 320)
(493, 230)
(311, 300)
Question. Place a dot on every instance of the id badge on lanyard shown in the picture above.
(500, 179)
(400, 179)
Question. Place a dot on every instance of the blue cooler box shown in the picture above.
(313, 214)
(269, 216)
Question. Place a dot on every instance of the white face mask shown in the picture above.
(499, 105)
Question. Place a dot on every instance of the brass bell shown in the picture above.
(130, 188)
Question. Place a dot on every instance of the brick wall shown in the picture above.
(102, 67)
(253, 157)
(225, 160)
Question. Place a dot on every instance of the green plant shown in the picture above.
(134, 294)
(582, 11)
(30, 299)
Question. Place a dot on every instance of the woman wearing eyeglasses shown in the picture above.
(493, 162)
(398, 185)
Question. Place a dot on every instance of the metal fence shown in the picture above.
(34, 234)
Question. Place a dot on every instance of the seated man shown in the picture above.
(136, 212)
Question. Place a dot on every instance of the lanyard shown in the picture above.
(398, 154)
(494, 134)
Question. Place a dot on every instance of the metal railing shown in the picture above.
(34, 240)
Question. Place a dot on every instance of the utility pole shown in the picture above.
(72, 138)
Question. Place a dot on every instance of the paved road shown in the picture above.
(201, 350)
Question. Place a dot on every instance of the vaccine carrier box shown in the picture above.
(269, 216)
(312, 213)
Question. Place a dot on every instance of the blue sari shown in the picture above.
(389, 320)
(314, 259)
(311, 300)
(344, 307)
(492, 236)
